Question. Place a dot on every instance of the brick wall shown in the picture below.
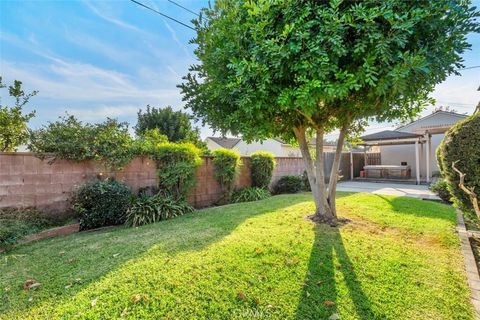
(26, 181)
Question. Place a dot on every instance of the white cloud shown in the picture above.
(111, 19)
(84, 82)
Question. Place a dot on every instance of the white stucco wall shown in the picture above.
(270, 145)
(439, 119)
(395, 155)
(212, 145)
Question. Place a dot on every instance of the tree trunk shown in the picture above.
(315, 173)
(307, 160)
(334, 174)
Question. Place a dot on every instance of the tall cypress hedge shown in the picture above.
(461, 145)
(262, 165)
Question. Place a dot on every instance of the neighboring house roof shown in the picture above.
(427, 119)
(227, 143)
(389, 135)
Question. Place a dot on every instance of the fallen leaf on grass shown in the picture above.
(116, 255)
(135, 298)
(241, 295)
(94, 302)
(124, 312)
(31, 284)
(328, 303)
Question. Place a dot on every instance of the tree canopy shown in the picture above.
(13, 121)
(289, 68)
(176, 125)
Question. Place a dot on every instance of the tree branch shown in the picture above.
(470, 192)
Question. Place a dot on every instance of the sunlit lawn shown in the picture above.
(398, 258)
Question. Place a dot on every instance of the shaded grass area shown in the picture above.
(398, 258)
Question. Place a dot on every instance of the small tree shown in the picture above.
(13, 122)
(176, 125)
(459, 161)
(294, 68)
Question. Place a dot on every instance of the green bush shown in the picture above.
(150, 209)
(262, 165)
(176, 166)
(147, 142)
(441, 190)
(227, 163)
(288, 184)
(306, 183)
(462, 144)
(250, 194)
(68, 138)
(18, 223)
(101, 203)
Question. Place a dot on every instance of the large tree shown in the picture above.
(294, 68)
(176, 125)
(13, 121)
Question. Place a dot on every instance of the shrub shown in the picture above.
(146, 143)
(441, 189)
(227, 163)
(68, 138)
(176, 166)
(262, 165)
(101, 203)
(145, 209)
(288, 184)
(306, 183)
(17, 223)
(462, 144)
(250, 194)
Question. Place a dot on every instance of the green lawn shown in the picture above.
(398, 258)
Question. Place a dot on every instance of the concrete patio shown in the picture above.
(397, 189)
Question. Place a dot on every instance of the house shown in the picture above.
(410, 149)
(276, 146)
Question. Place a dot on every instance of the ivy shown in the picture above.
(227, 163)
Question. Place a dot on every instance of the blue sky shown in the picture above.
(96, 59)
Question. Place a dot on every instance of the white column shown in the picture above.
(417, 162)
(351, 165)
(427, 158)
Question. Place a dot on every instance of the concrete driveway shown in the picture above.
(397, 189)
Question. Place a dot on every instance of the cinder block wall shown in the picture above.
(27, 181)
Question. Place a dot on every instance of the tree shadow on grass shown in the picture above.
(66, 265)
(419, 208)
(329, 264)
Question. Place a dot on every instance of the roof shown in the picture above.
(228, 143)
(311, 141)
(389, 135)
(436, 113)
